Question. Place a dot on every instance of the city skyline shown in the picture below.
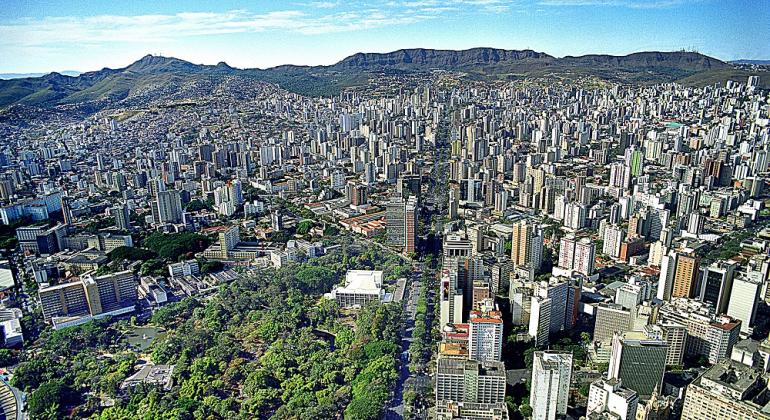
(459, 209)
(93, 35)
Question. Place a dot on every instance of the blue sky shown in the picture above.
(40, 36)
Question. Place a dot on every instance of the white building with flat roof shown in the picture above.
(551, 375)
(361, 287)
(607, 396)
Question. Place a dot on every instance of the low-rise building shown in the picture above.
(361, 287)
(184, 268)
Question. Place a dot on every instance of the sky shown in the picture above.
(84, 35)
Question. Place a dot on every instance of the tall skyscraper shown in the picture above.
(454, 203)
(167, 208)
(527, 245)
(558, 291)
(666, 278)
(613, 238)
(409, 186)
(66, 210)
(540, 320)
(685, 275)
(501, 274)
(521, 304)
(450, 299)
(577, 255)
(401, 218)
(674, 335)
(549, 393)
(744, 299)
(122, 217)
(638, 361)
(359, 194)
(228, 240)
(717, 283)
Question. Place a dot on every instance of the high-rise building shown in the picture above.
(727, 390)
(685, 275)
(657, 220)
(457, 246)
(451, 299)
(630, 295)
(66, 210)
(228, 240)
(674, 335)
(585, 257)
(401, 218)
(167, 208)
(521, 304)
(481, 293)
(184, 268)
(485, 339)
(409, 186)
(744, 299)
(567, 252)
(359, 194)
(465, 380)
(563, 302)
(122, 217)
(41, 239)
(717, 283)
(476, 236)
(501, 274)
(613, 238)
(634, 158)
(526, 245)
(74, 303)
(666, 278)
(638, 362)
(695, 224)
(540, 320)
(577, 255)
(708, 334)
(467, 271)
(454, 203)
(575, 216)
(611, 318)
(607, 396)
(410, 225)
(549, 392)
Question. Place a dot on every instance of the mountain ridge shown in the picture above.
(110, 85)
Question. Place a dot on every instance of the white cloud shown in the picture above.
(632, 4)
(325, 4)
(102, 29)
(488, 6)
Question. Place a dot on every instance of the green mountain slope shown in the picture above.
(167, 78)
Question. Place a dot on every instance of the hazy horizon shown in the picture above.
(72, 71)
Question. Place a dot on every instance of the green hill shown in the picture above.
(154, 77)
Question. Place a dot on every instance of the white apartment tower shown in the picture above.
(551, 375)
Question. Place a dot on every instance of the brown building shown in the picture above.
(630, 247)
(481, 291)
(358, 194)
(685, 276)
